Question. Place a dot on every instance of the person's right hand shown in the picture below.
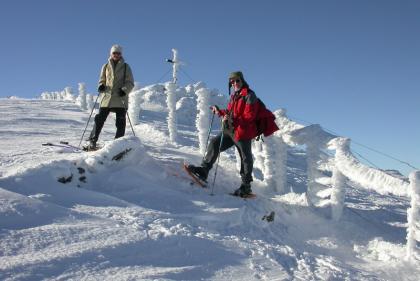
(214, 109)
(101, 88)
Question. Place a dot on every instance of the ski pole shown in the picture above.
(218, 157)
(208, 135)
(87, 124)
(128, 116)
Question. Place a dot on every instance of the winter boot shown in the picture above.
(199, 171)
(243, 191)
(91, 146)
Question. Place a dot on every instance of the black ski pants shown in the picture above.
(244, 149)
(100, 119)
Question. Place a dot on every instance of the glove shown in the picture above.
(121, 93)
(215, 109)
(101, 88)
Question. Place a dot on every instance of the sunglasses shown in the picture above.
(235, 81)
(116, 53)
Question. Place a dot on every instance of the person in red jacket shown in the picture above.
(239, 128)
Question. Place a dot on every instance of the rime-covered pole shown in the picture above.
(81, 99)
(258, 155)
(341, 145)
(413, 214)
(203, 116)
(268, 152)
(171, 102)
(134, 101)
(274, 152)
(274, 158)
(175, 65)
(280, 159)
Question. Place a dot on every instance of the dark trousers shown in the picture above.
(245, 151)
(100, 119)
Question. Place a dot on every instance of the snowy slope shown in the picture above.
(139, 218)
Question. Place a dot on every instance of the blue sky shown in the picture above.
(351, 66)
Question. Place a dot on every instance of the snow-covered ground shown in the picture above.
(139, 217)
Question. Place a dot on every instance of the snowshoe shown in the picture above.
(244, 196)
(65, 145)
(91, 146)
(244, 191)
(192, 171)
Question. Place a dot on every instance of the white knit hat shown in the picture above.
(115, 48)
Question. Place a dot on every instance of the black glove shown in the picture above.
(121, 93)
(101, 88)
(215, 109)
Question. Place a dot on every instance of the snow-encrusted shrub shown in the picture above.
(154, 98)
(46, 96)
(90, 102)
(68, 94)
(58, 95)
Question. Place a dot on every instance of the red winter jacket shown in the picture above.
(244, 106)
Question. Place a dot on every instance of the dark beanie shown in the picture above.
(238, 74)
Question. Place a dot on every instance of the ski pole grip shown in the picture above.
(215, 107)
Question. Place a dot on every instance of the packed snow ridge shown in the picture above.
(129, 212)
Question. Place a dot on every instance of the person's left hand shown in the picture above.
(225, 118)
(121, 93)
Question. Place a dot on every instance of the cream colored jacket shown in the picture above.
(113, 79)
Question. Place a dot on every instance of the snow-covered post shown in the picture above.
(313, 152)
(134, 100)
(81, 99)
(338, 193)
(274, 157)
(280, 158)
(171, 102)
(202, 122)
(413, 214)
(315, 139)
(268, 151)
(274, 152)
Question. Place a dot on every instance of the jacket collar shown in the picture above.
(120, 63)
(242, 92)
